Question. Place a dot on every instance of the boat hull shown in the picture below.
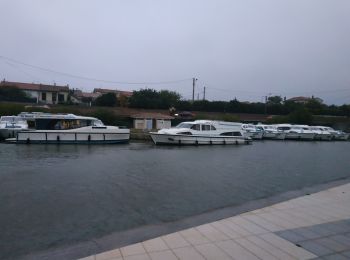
(42, 137)
(341, 137)
(300, 136)
(254, 135)
(169, 139)
(274, 136)
(9, 132)
(323, 137)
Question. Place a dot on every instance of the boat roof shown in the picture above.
(39, 115)
(10, 118)
(215, 122)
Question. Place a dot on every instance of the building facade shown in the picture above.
(44, 94)
(149, 121)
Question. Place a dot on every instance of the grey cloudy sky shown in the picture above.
(245, 49)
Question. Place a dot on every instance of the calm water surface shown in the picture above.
(57, 195)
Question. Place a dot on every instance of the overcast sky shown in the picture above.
(245, 49)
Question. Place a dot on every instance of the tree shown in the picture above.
(315, 106)
(108, 100)
(274, 100)
(10, 93)
(150, 98)
(300, 116)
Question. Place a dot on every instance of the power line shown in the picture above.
(93, 79)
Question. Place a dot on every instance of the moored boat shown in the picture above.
(271, 132)
(337, 134)
(10, 125)
(296, 132)
(68, 129)
(321, 133)
(252, 131)
(201, 132)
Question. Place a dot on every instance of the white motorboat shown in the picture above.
(10, 125)
(252, 131)
(337, 134)
(68, 129)
(201, 132)
(296, 132)
(321, 133)
(271, 132)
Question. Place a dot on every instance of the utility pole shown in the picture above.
(204, 94)
(193, 85)
(265, 105)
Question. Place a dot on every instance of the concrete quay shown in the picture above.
(315, 226)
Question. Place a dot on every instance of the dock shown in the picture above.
(314, 226)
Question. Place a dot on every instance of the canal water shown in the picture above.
(56, 195)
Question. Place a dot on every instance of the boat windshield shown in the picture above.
(98, 123)
(10, 119)
(184, 125)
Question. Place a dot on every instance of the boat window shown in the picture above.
(184, 125)
(231, 134)
(61, 124)
(283, 128)
(196, 127)
(212, 128)
(205, 127)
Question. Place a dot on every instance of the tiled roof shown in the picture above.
(152, 115)
(105, 91)
(299, 99)
(35, 87)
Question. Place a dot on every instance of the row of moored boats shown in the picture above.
(40, 127)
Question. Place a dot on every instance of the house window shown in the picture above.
(60, 98)
(43, 96)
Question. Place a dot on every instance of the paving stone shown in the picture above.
(137, 257)
(156, 244)
(331, 244)
(194, 236)
(188, 253)
(290, 236)
(278, 253)
(321, 230)
(134, 249)
(212, 252)
(236, 251)
(287, 246)
(338, 227)
(256, 250)
(113, 254)
(315, 248)
(341, 239)
(307, 233)
(334, 257)
(175, 240)
(168, 255)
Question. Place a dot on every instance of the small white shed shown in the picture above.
(148, 121)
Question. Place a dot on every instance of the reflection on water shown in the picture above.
(51, 195)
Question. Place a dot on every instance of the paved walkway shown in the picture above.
(315, 226)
